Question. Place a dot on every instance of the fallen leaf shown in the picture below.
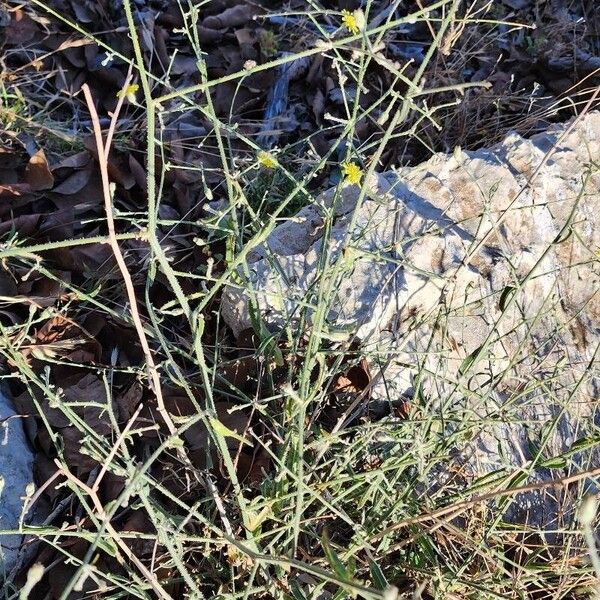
(129, 400)
(231, 17)
(22, 28)
(252, 468)
(138, 521)
(37, 173)
(74, 183)
(60, 337)
(231, 423)
(88, 389)
(74, 161)
(240, 373)
(25, 225)
(354, 380)
(138, 172)
(517, 4)
(14, 190)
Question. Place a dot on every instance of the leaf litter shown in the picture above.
(63, 309)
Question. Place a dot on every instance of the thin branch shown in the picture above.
(151, 577)
(103, 153)
(459, 507)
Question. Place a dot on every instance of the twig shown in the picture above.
(113, 119)
(115, 448)
(112, 241)
(151, 578)
(465, 504)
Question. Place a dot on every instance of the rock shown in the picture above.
(16, 474)
(475, 278)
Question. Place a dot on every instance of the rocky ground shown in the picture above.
(363, 309)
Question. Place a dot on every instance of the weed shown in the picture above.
(195, 465)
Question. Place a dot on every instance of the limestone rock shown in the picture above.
(475, 278)
(16, 473)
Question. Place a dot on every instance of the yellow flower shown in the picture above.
(266, 160)
(352, 173)
(129, 92)
(351, 21)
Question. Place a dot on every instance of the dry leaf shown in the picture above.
(74, 183)
(22, 28)
(354, 380)
(60, 337)
(232, 17)
(37, 173)
(14, 190)
(75, 161)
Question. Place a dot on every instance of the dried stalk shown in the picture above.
(103, 152)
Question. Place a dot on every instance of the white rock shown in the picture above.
(16, 473)
(493, 248)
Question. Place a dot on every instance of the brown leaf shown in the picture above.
(138, 172)
(8, 291)
(185, 65)
(84, 259)
(247, 341)
(199, 439)
(74, 183)
(245, 36)
(62, 572)
(44, 469)
(14, 190)
(354, 380)
(210, 36)
(252, 468)
(64, 338)
(138, 521)
(10, 160)
(112, 485)
(402, 408)
(84, 11)
(160, 44)
(73, 43)
(25, 225)
(129, 400)
(8, 285)
(240, 373)
(118, 170)
(88, 389)
(38, 174)
(318, 105)
(41, 290)
(74, 161)
(22, 28)
(231, 17)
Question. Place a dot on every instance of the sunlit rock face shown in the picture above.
(474, 280)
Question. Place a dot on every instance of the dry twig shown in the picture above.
(103, 152)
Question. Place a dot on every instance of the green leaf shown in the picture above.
(555, 462)
(336, 564)
(174, 442)
(296, 590)
(505, 296)
(379, 580)
(224, 431)
(583, 444)
(467, 363)
(563, 237)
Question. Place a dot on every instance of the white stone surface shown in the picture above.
(494, 248)
(16, 473)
